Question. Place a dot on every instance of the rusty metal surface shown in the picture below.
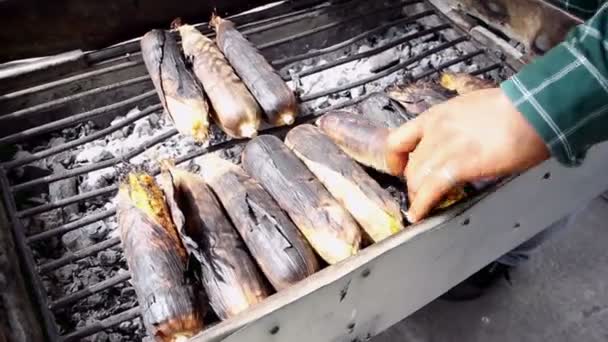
(18, 321)
(535, 23)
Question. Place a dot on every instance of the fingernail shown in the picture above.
(410, 217)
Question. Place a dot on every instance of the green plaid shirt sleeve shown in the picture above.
(564, 94)
(581, 8)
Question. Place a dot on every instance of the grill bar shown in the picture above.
(56, 103)
(447, 64)
(33, 277)
(104, 324)
(332, 25)
(74, 143)
(74, 119)
(68, 80)
(71, 226)
(371, 52)
(80, 254)
(384, 73)
(315, 53)
(88, 291)
(96, 166)
(66, 201)
(241, 20)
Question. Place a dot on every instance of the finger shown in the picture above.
(419, 172)
(426, 158)
(431, 192)
(405, 138)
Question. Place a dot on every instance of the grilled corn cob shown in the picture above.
(177, 89)
(365, 141)
(417, 97)
(234, 108)
(231, 279)
(464, 83)
(373, 207)
(280, 250)
(382, 109)
(157, 260)
(272, 93)
(329, 229)
(362, 139)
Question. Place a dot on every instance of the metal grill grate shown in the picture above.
(125, 64)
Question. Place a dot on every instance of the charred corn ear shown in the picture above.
(280, 250)
(373, 207)
(231, 279)
(181, 96)
(362, 139)
(365, 141)
(417, 97)
(272, 93)
(234, 108)
(464, 83)
(329, 229)
(157, 260)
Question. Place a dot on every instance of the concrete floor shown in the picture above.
(561, 294)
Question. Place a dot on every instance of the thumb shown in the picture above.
(405, 138)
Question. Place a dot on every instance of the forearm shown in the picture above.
(564, 94)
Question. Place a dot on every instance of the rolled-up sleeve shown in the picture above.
(564, 94)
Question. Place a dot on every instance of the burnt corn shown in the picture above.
(272, 93)
(280, 250)
(157, 260)
(330, 230)
(234, 108)
(374, 208)
(232, 281)
(180, 94)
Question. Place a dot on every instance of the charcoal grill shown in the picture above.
(350, 301)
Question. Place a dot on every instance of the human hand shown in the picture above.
(468, 138)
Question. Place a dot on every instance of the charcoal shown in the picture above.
(98, 179)
(127, 292)
(63, 189)
(109, 257)
(76, 239)
(95, 299)
(383, 59)
(143, 128)
(154, 119)
(64, 274)
(93, 154)
(98, 231)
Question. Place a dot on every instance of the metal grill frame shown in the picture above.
(294, 295)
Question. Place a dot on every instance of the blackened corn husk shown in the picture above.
(280, 250)
(232, 281)
(363, 140)
(464, 83)
(374, 208)
(234, 108)
(180, 94)
(157, 260)
(418, 97)
(330, 230)
(272, 93)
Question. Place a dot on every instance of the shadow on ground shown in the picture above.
(561, 294)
